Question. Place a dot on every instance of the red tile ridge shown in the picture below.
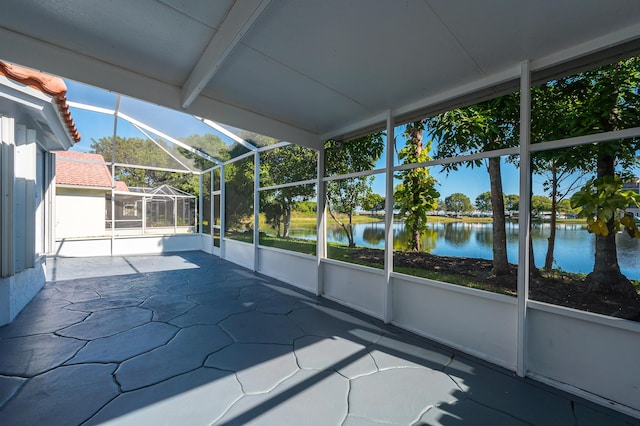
(48, 84)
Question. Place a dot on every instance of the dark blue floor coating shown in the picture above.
(191, 339)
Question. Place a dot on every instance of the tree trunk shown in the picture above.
(606, 276)
(416, 141)
(349, 231)
(551, 241)
(287, 220)
(500, 262)
(415, 238)
(534, 273)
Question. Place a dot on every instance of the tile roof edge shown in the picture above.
(48, 84)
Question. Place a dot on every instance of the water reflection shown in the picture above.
(574, 252)
(457, 233)
(373, 235)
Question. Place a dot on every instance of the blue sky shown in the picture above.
(469, 181)
(94, 125)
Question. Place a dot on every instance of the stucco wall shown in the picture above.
(79, 213)
(18, 290)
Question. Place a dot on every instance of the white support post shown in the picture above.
(222, 211)
(524, 220)
(211, 207)
(50, 196)
(31, 149)
(256, 209)
(144, 215)
(388, 222)
(175, 215)
(113, 174)
(22, 163)
(321, 219)
(200, 205)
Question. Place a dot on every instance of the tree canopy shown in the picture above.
(373, 203)
(292, 163)
(345, 195)
(598, 100)
(483, 202)
(458, 203)
(485, 126)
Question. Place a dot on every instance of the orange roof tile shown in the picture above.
(121, 186)
(53, 86)
(80, 172)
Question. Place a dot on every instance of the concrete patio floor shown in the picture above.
(189, 339)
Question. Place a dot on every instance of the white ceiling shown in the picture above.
(306, 70)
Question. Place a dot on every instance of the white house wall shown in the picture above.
(79, 213)
(22, 272)
(17, 290)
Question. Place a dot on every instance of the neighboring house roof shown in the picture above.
(52, 86)
(83, 169)
(121, 186)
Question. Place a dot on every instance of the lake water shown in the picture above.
(574, 252)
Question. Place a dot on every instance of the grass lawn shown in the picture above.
(556, 287)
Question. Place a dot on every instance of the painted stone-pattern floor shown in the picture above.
(190, 339)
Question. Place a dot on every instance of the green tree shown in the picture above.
(551, 111)
(144, 152)
(373, 203)
(416, 195)
(599, 100)
(485, 126)
(272, 210)
(238, 180)
(512, 202)
(564, 206)
(458, 203)
(345, 195)
(483, 202)
(540, 204)
(137, 151)
(292, 163)
(209, 144)
(601, 200)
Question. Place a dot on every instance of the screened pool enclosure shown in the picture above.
(151, 210)
(233, 194)
(325, 102)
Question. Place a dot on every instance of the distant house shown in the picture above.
(82, 182)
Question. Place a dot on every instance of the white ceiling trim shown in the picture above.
(238, 21)
(42, 108)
